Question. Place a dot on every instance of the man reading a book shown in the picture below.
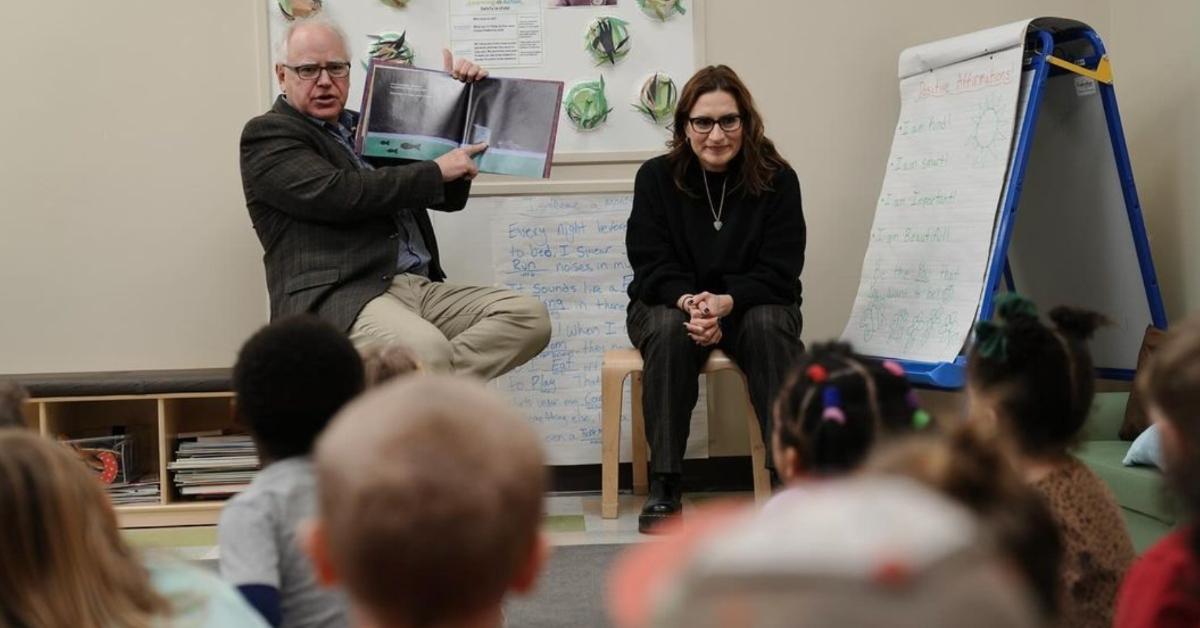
(351, 241)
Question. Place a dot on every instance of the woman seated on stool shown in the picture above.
(716, 241)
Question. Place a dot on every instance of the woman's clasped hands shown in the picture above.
(706, 311)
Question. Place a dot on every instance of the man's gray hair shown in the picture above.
(315, 20)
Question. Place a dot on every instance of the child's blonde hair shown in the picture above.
(430, 499)
(64, 562)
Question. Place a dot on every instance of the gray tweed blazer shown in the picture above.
(328, 229)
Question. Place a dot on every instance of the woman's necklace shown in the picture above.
(717, 212)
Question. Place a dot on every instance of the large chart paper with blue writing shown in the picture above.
(569, 252)
(923, 273)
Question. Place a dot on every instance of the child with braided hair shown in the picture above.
(835, 406)
(1035, 383)
(726, 565)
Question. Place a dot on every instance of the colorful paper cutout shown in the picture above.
(662, 9)
(657, 98)
(293, 9)
(389, 46)
(608, 39)
(586, 104)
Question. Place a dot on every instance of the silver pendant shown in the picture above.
(717, 224)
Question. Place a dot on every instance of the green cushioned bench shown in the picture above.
(1140, 492)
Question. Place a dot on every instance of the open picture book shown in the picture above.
(412, 113)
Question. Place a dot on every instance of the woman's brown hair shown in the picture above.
(759, 160)
(64, 562)
(1170, 384)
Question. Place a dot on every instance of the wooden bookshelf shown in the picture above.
(153, 420)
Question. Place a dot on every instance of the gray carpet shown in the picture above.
(571, 591)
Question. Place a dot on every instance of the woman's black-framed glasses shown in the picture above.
(728, 123)
(310, 71)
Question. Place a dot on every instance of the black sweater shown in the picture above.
(756, 257)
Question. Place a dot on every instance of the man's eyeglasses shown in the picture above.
(728, 123)
(310, 71)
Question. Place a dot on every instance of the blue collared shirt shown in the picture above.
(414, 255)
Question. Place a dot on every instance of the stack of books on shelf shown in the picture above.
(213, 464)
(144, 491)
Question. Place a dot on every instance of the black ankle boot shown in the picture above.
(664, 501)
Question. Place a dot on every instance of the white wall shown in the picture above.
(124, 240)
(1156, 65)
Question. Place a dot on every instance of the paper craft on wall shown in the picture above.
(662, 9)
(608, 40)
(528, 39)
(293, 9)
(657, 98)
(586, 104)
(396, 4)
(389, 46)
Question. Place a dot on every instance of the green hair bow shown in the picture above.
(991, 337)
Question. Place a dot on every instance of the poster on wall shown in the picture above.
(568, 252)
(497, 33)
(558, 4)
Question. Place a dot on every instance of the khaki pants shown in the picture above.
(476, 330)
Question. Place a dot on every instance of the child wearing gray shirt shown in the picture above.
(290, 379)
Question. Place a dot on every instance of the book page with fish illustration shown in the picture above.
(518, 118)
(411, 113)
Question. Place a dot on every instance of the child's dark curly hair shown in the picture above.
(1041, 377)
(291, 377)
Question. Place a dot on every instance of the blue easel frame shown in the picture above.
(952, 375)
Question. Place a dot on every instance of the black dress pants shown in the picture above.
(764, 341)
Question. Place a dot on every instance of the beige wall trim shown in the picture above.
(584, 186)
(598, 157)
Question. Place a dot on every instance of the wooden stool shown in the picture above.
(619, 363)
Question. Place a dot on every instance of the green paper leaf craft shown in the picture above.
(657, 98)
(396, 4)
(586, 105)
(389, 46)
(608, 40)
(662, 9)
(293, 9)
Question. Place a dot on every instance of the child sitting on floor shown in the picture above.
(430, 504)
(834, 407)
(290, 378)
(1035, 383)
(1162, 589)
(65, 562)
(973, 466)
